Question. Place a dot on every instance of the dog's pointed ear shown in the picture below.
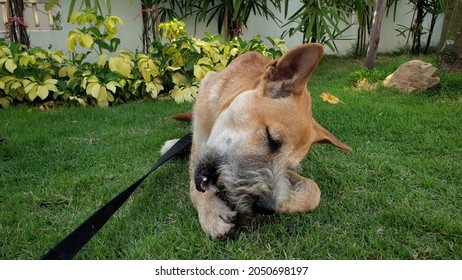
(289, 74)
(322, 135)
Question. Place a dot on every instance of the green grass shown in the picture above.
(398, 195)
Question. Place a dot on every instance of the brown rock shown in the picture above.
(413, 76)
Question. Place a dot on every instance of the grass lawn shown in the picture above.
(398, 195)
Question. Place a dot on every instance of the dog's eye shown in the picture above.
(274, 144)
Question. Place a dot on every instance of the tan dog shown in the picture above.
(252, 125)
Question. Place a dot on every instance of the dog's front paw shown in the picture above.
(303, 195)
(217, 220)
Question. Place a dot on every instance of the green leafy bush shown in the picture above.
(173, 69)
(28, 73)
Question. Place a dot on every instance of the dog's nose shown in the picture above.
(205, 178)
(264, 205)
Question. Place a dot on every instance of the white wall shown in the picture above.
(389, 40)
(130, 33)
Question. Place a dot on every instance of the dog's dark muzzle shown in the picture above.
(264, 205)
(206, 171)
(205, 178)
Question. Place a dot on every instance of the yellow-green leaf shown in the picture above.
(80, 57)
(113, 64)
(204, 60)
(86, 41)
(102, 93)
(28, 86)
(79, 100)
(71, 71)
(24, 60)
(6, 79)
(102, 60)
(103, 100)
(58, 56)
(93, 79)
(5, 102)
(173, 69)
(74, 17)
(111, 27)
(15, 85)
(93, 89)
(110, 97)
(10, 65)
(83, 83)
(103, 103)
(112, 86)
(63, 71)
(200, 71)
(184, 94)
(116, 19)
(3, 60)
(118, 64)
(179, 79)
(233, 51)
(42, 91)
(154, 88)
(51, 87)
(71, 42)
(41, 55)
(51, 81)
(32, 93)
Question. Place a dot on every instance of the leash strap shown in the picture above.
(74, 242)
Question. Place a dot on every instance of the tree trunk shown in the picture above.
(150, 18)
(417, 27)
(430, 32)
(447, 19)
(374, 38)
(364, 29)
(451, 53)
(17, 26)
(145, 34)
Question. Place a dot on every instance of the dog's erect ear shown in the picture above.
(322, 135)
(290, 73)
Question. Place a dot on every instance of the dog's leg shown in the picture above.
(304, 195)
(216, 218)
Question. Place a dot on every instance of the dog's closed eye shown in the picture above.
(273, 143)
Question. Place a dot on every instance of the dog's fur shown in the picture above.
(252, 125)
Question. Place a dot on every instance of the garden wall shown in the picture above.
(130, 33)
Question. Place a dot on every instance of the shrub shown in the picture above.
(28, 73)
(173, 68)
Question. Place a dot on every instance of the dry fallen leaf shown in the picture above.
(330, 98)
(47, 106)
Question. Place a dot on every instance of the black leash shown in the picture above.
(74, 242)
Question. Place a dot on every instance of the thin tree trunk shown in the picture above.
(447, 19)
(150, 17)
(417, 27)
(451, 53)
(155, 32)
(145, 35)
(226, 24)
(430, 32)
(16, 23)
(375, 33)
